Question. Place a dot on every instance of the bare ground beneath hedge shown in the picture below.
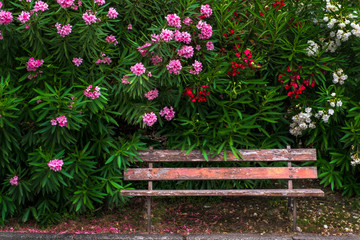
(329, 215)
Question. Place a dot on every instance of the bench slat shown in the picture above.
(156, 174)
(302, 154)
(242, 192)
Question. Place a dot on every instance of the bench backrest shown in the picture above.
(224, 173)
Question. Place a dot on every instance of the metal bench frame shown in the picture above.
(288, 155)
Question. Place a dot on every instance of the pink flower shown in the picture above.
(53, 122)
(111, 39)
(24, 17)
(167, 35)
(206, 30)
(149, 74)
(38, 101)
(61, 120)
(209, 46)
(155, 59)
(27, 26)
(174, 67)
(197, 68)
(63, 31)
(198, 47)
(169, 112)
(129, 26)
(40, 6)
(173, 20)
(1, 36)
(184, 37)
(33, 64)
(152, 94)
(89, 18)
(65, 3)
(149, 119)
(155, 37)
(186, 51)
(94, 94)
(206, 10)
(99, 2)
(112, 13)
(14, 181)
(55, 165)
(125, 80)
(143, 52)
(77, 61)
(187, 21)
(138, 69)
(1, 4)
(6, 17)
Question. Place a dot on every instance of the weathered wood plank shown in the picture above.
(156, 174)
(241, 192)
(302, 154)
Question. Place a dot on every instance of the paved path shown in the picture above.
(45, 236)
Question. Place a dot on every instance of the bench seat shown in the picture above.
(240, 192)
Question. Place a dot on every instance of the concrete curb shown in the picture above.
(52, 236)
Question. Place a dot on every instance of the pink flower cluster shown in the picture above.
(187, 21)
(99, 2)
(33, 64)
(138, 69)
(184, 37)
(206, 10)
(186, 51)
(174, 67)
(6, 17)
(143, 52)
(209, 46)
(206, 30)
(168, 113)
(105, 59)
(93, 95)
(155, 38)
(14, 181)
(149, 119)
(112, 13)
(77, 61)
(65, 3)
(152, 94)
(24, 17)
(125, 79)
(61, 120)
(129, 26)
(197, 68)
(55, 165)
(90, 18)
(111, 39)
(155, 59)
(40, 6)
(167, 35)
(173, 20)
(63, 31)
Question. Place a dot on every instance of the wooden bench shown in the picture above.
(288, 155)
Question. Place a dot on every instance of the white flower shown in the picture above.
(326, 19)
(332, 104)
(332, 34)
(342, 25)
(312, 125)
(325, 118)
(331, 111)
(308, 110)
(339, 103)
(333, 94)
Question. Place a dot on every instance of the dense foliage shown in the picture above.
(86, 84)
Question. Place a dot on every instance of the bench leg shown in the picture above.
(294, 214)
(148, 206)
